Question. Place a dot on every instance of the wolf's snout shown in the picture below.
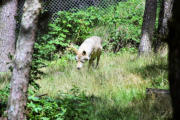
(79, 65)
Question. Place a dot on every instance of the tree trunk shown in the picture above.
(174, 59)
(164, 15)
(8, 10)
(148, 27)
(23, 57)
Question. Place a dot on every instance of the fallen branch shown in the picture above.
(42, 95)
(157, 91)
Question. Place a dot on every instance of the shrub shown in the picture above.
(4, 93)
(125, 25)
(72, 106)
(67, 106)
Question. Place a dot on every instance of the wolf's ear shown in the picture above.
(84, 53)
(71, 47)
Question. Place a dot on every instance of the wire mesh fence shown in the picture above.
(53, 6)
(61, 5)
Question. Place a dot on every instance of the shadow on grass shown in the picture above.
(152, 71)
(145, 109)
(157, 72)
(81, 107)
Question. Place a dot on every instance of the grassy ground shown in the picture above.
(117, 87)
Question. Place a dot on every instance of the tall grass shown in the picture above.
(117, 87)
(4, 79)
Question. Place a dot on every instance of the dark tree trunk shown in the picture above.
(8, 10)
(164, 15)
(174, 58)
(23, 57)
(148, 27)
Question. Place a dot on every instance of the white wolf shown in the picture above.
(89, 50)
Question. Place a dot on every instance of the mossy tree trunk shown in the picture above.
(8, 9)
(174, 58)
(23, 58)
(148, 27)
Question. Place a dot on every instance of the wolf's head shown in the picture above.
(81, 57)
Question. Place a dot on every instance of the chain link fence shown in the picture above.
(53, 6)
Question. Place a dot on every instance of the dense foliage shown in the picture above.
(74, 105)
(124, 27)
(67, 106)
(4, 93)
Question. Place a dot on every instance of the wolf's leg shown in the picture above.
(93, 65)
(98, 58)
(90, 63)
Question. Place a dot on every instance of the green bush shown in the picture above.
(125, 22)
(67, 106)
(4, 93)
(72, 106)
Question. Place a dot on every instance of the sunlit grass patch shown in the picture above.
(110, 74)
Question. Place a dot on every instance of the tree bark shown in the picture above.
(174, 58)
(148, 27)
(8, 10)
(23, 57)
(164, 15)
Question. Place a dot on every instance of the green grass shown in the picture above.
(116, 88)
(4, 79)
